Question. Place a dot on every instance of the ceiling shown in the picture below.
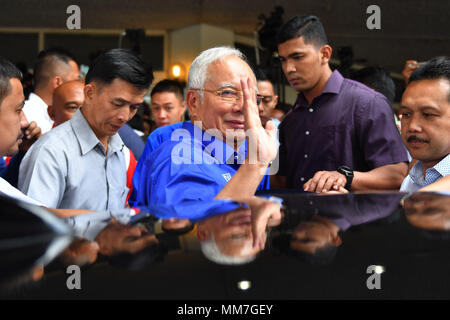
(415, 29)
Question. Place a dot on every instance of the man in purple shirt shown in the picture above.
(339, 134)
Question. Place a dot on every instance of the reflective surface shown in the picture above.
(355, 246)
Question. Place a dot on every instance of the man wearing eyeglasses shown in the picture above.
(267, 96)
(207, 158)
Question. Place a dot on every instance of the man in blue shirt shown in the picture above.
(425, 123)
(206, 159)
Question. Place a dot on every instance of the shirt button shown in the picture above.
(307, 133)
(311, 109)
(306, 156)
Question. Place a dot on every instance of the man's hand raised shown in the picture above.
(262, 143)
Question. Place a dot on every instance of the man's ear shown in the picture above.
(325, 54)
(89, 91)
(275, 99)
(56, 82)
(202, 233)
(193, 102)
(50, 112)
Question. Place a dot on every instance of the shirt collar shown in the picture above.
(442, 167)
(207, 143)
(87, 138)
(333, 86)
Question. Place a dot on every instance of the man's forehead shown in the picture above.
(294, 45)
(265, 85)
(228, 70)
(120, 89)
(426, 93)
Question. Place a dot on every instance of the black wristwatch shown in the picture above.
(348, 173)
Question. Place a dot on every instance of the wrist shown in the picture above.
(349, 175)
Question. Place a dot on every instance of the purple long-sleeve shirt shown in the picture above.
(347, 124)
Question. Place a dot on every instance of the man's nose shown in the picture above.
(290, 66)
(162, 114)
(23, 120)
(124, 114)
(238, 104)
(414, 124)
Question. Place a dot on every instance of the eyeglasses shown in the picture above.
(264, 99)
(230, 95)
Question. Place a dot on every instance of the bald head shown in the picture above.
(67, 98)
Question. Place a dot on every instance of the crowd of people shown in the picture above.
(70, 149)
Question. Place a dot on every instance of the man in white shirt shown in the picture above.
(53, 68)
(425, 123)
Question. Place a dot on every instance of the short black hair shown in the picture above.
(167, 85)
(121, 64)
(434, 69)
(261, 75)
(47, 62)
(378, 79)
(307, 26)
(7, 71)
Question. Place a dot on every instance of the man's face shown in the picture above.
(232, 232)
(108, 107)
(167, 108)
(302, 63)
(425, 120)
(12, 119)
(268, 102)
(309, 236)
(67, 98)
(213, 111)
(428, 211)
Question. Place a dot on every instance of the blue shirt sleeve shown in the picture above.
(163, 182)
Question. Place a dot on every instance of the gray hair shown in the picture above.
(212, 252)
(199, 67)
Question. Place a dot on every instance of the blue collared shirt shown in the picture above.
(415, 179)
(161, 134)
(192, 165)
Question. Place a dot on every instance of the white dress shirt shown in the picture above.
(35, 109)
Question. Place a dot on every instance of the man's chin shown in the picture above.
(12, 151)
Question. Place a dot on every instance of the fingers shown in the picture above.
(132, 231)
(271, 129)
(250, 108)
(140, 244)
(32, 131)
(324, 181)
(411, 64)
(261, 214)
